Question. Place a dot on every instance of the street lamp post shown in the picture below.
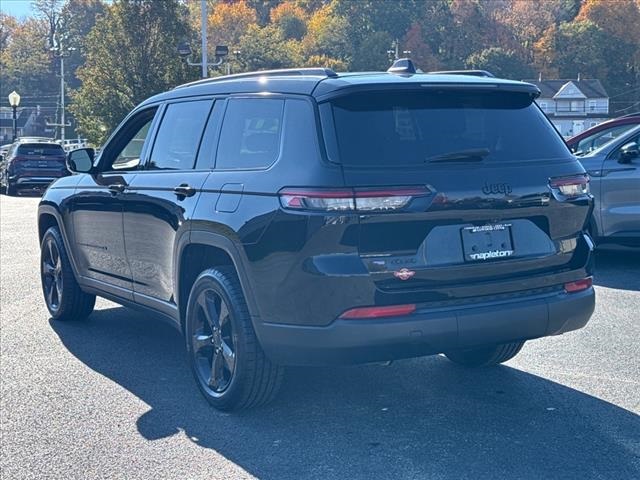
(184, 49)
(14, 101)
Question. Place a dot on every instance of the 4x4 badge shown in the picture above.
(404, 274)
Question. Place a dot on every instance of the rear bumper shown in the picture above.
(426, 332)
(33, 181)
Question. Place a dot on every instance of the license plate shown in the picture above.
(487, 242)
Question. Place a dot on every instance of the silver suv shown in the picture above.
(615, 182)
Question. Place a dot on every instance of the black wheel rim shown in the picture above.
(213, 342)
(52, 281)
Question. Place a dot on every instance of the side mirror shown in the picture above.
(628, 152)
(81, 160)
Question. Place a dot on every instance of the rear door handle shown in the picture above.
(184, 190)
(117, 188)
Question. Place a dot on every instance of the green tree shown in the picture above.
(264, 49)
(372, 52)
(25, 60)
(130, 56)
(502, 63)
(578, 47)
(291, 19)
(77, 19)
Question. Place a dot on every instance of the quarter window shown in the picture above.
(250, 136)
(179, 135)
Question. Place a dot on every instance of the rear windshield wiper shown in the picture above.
(475, 155)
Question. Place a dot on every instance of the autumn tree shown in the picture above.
(328, 34)
(130, 56)
(50, 11)
(528, 24)
(228, 22)
(421, 52)
(572, 48)
(622, 27)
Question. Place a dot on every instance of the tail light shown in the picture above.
(570, 187)
(579, 285)
(350, 199)
(378, 312)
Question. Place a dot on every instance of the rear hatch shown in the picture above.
(459, 193)
(39, 160)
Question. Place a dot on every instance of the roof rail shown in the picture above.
(473, 73)
(285, 72)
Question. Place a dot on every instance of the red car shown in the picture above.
(600, 134)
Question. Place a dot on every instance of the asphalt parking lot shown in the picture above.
(113, 398)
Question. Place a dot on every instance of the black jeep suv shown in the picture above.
(303, 217)
(32, 163)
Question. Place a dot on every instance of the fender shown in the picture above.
(51, 209)
(237, 255)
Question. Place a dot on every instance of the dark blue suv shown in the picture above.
(302, 217)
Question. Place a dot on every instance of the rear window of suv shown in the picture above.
(39, 149)
(389, 129)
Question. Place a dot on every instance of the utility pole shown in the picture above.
(61, 52)
(62, 96)
(203, 33)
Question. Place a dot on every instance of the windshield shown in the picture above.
(628, 135)
(40, 149)
(409, 128)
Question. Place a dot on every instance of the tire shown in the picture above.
(62, 294)
(11, 190)
(224, 341)
(485, 356)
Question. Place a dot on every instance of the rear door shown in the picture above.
(455, 188)
(159, 201)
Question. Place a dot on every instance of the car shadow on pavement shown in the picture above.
(618, 269)
(422, 418)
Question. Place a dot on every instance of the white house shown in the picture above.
(573, 105)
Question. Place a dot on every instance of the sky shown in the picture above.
(17, 8)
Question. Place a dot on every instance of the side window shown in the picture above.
(250, 136)
(123, 152)
(608, 135)
(618, 153)
(179, 135)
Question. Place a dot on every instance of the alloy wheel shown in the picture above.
(52, 274)
(213, 343)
